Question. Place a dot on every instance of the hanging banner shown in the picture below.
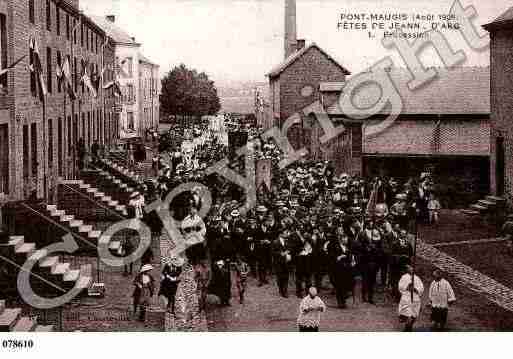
(263, 174)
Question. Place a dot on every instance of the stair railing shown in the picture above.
(75, 235)
(107, 209)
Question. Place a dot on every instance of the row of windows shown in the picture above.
(88, 38)
(128, 94)
(148, 87)
(92, 130)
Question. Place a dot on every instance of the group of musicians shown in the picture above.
(339, 245)
(311, 230)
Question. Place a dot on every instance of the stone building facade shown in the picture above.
(42, 135)
(501, 139)
(138, 107)
(149, 104)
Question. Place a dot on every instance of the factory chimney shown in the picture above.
(290, 28)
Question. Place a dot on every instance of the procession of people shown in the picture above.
(321, 230)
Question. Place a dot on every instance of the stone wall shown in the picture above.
(501, 67)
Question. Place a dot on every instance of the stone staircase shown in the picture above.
(104, 197)
(491, 206)
(130, 177)
(114, 245)
(75, 225)
(49, 268)
(47, 224)
(11, 320)
(119, 183)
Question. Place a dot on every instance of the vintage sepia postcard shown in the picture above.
(255, 166)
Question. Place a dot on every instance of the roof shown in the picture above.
(331, 86)
(119, 35)
(461, 90)
(417, 137)
(505, 20)
(94, 24)
(292, 58)
(144, 59)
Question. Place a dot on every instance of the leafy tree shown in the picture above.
(189, 94)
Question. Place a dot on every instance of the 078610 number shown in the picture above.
(17, 344)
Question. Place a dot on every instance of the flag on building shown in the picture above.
(5, 72)
(87, 81)
(37, 69)
(66, 73)
(114, 85)
(120, 71)
(58, 73)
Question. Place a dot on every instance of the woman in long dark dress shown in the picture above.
(169, 284)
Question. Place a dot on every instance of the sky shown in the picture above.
(242, 40)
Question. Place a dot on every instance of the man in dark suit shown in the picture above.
(266, 235)
(340, 257)
(249, 246)
(282, 258)
(302, 252)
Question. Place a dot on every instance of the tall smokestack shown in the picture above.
(290, 28)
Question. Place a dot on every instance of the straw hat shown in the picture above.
(146, 268)
(401, 196)
(261, 209)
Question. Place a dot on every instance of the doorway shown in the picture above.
(499, 165)
(4, 159)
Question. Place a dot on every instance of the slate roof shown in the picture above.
(119, 35)
(276, 71)
(506, 19)
(144, 59)
(461, 90)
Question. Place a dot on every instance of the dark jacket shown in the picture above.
(280, 252)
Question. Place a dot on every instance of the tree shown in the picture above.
(188, 93)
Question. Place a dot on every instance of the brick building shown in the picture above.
(39, 138)
(444, 125)
(501, 139)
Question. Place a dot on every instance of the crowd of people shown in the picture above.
(311, 225)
